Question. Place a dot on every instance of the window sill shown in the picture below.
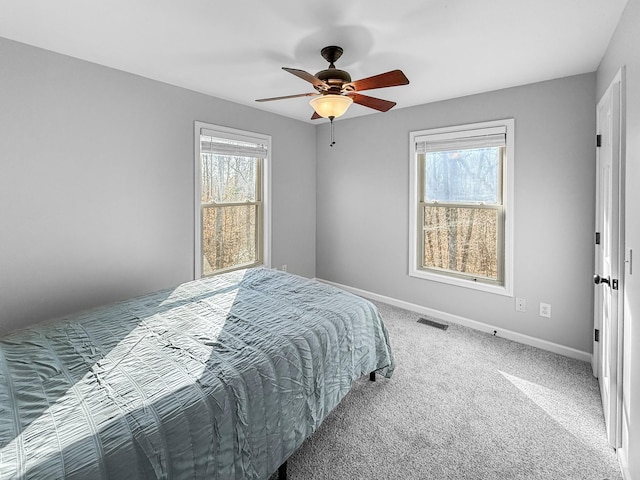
(504, 290)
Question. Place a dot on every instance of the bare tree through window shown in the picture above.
(231, 207)
(461, 205)
(461, 211)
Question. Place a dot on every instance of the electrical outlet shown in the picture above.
(284, 267)
(521, 305)
(545, 310)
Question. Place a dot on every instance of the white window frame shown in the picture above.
(508, 202)
(244, 136)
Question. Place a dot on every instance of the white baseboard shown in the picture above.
(484, 327)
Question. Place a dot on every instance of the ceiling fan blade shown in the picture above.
(315, 116)
(372, 102)
(393, 78)
(287, 96)
(307, 76)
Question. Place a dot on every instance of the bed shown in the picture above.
(219, 378)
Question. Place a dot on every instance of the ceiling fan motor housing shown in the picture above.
(334, 77)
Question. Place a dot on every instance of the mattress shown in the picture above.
(219, 378)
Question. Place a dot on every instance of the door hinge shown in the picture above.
(597, 238)
(598, 140)
(596, 335)
(614, 284)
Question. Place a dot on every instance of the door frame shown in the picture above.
(614, 428)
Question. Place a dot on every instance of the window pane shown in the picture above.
(228, 237)
(463, 240)
(463, 176)
(227, 179)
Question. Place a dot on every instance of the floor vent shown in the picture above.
(433, 323)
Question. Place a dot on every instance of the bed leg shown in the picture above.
(372, 376)
(282, 471)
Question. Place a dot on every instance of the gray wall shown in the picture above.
(96, 183)
(362, 207)
(624, 50)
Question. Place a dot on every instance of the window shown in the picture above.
(462, 205)
(232, 207)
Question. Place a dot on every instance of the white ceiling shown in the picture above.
(234, 49)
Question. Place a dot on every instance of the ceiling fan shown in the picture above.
(335, 91)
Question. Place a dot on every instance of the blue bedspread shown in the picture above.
(219, 378)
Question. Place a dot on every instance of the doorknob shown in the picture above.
(597, 279)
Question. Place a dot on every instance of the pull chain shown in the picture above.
(332, 140)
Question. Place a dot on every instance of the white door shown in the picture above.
(607, 348)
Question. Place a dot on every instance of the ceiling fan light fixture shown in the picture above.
(331, 105)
